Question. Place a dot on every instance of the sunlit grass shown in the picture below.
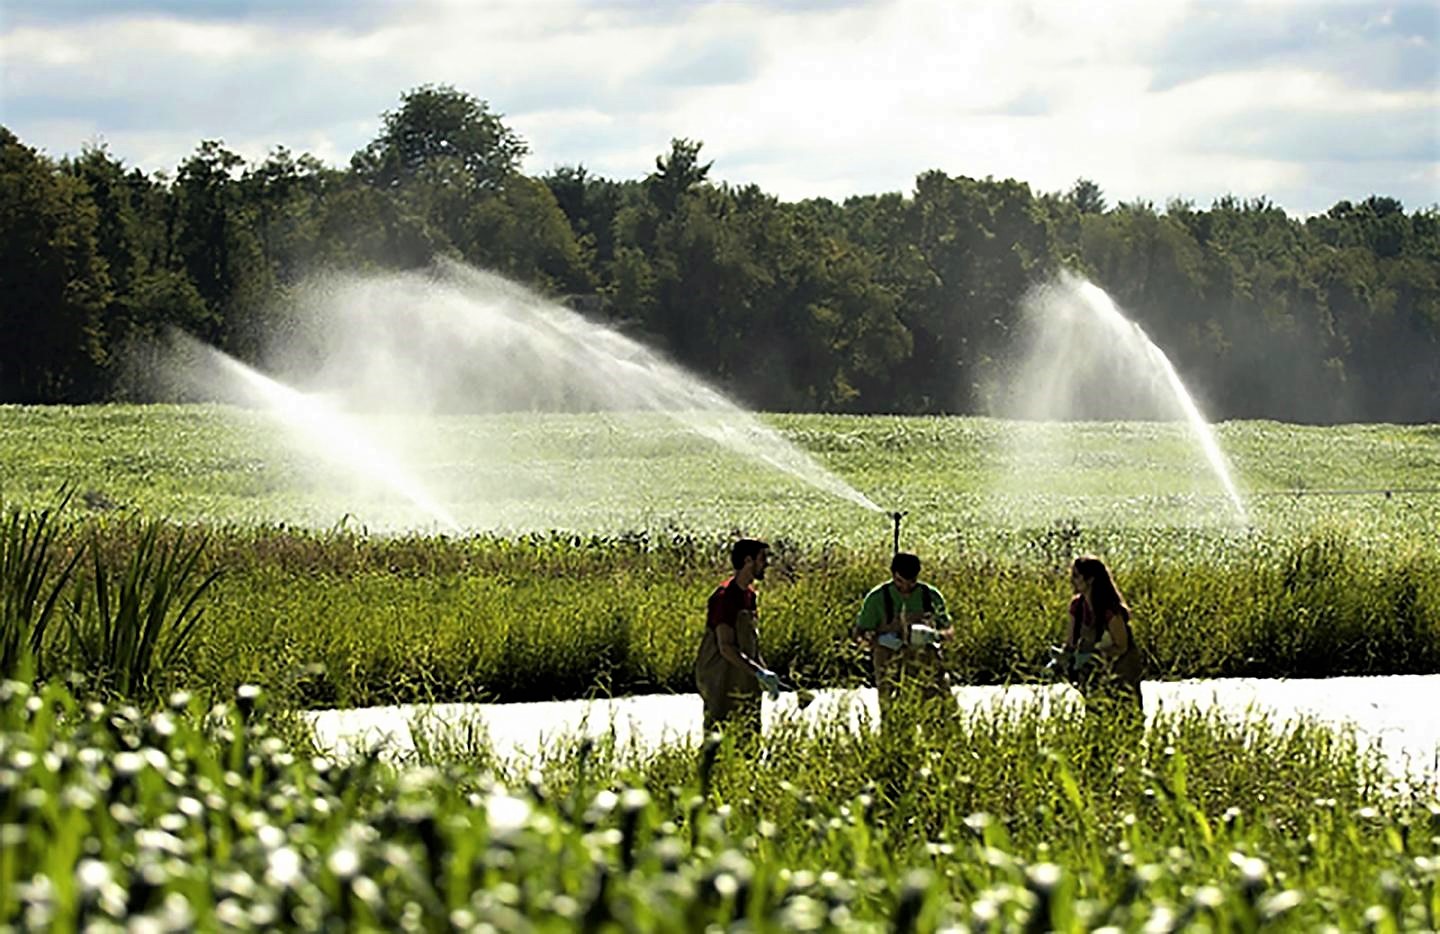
(963, 481)
(617, 529)
(185, 818)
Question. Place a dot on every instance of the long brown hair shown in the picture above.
(1104, 595)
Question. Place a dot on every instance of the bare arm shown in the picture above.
(1119, 639)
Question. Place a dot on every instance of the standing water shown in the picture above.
(1088, 361)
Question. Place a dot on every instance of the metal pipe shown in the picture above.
(897, 516)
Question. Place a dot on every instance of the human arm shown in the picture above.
(1072, 628)
(940, 615)
(1119, 642)
(730, 650)
(867, 623)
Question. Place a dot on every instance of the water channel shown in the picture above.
(1395, 712)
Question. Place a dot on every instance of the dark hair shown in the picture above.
(906, 565)
(746, 548)
(1104, 595)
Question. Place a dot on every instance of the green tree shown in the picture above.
(434, 123)
(213, 235)
(676, 174)
(1086, 197)
(520, 231)
(54, 285)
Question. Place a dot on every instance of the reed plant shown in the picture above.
(131, 631)
(35, 569)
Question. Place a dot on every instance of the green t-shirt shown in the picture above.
(872, 611)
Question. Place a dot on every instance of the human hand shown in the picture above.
(770, 681)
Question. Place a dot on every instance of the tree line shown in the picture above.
(906, 303)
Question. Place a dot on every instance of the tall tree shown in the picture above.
(53, 281)
(437, 122)
(676, 173)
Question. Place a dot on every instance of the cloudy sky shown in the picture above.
(1304, 101)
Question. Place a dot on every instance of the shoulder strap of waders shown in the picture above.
(926, 600)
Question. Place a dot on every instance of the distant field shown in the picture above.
(589, 543)
(958, 479)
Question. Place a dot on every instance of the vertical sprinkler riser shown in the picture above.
(896, 517)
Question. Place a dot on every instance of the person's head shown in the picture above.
(905, 571)
(750, 552)
(1091, 579)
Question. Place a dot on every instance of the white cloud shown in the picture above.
(803, 100)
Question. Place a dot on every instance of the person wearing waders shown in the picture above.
(1102, 657)
(729, 669)
(902, 622)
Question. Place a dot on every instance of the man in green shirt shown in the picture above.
(903, 622)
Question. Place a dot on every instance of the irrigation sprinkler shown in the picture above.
(897, 516)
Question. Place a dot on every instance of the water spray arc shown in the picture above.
(338, 438)
(462, 339)
(1089, 361)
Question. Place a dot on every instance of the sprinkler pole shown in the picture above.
(897, 516)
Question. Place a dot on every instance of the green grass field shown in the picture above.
(605, 535)
(958, 478)
(590, 547)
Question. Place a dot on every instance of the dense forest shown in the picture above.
(904, 303)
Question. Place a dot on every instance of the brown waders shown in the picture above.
(1113, 687)
(730, 694)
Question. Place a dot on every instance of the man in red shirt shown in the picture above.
(729, 669)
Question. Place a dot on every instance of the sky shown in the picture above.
(1305, 102)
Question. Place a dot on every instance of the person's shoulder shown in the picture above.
(877, 589)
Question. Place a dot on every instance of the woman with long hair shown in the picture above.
(1099, 632)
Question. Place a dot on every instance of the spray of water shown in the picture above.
(312, 423)
(459, 340)
(1087, 360)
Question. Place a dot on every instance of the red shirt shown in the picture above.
(726, 603)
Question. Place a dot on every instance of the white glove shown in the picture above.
(770, 681)
(923, 635)
(891, 641)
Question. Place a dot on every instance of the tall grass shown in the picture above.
(341, 618)
(34, 572)
(436, 619)
(132, 631)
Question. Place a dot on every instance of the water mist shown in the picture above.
(1086, 360)
(311, 423)
(454, 340)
